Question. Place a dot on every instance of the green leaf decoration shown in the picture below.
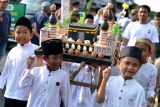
(116, 29)
(46, 24)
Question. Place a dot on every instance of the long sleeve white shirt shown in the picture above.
(13, 69)
(47, 88)
(146, 77)
(121, 93)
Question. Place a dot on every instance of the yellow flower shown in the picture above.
(125, 6)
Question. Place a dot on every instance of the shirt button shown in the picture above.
(121, 90)
(120, 98)
(124, 84)
(44, 89)
(46, 81)
(48, 74)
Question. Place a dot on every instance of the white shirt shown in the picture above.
(121, 93)
(135, 30)
(81, 95)
(13, 69)
(146, 77)
(47, 89)
(98, 20)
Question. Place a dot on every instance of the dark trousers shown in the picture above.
(14, 103)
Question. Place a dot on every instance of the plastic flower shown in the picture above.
(125, 6)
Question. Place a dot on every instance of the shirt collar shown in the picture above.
(25, 45)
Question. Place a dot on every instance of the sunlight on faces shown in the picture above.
(54, 61)
(129, 66)
(22, 34)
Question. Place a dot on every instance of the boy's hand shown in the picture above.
(30, 61)
(107, 73)
(100, 12)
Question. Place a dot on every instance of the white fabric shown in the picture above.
(81, 95)
(98, 20)
(13, 69)
(44, 89)
(135, 30)
(121, 93)
(146, 77)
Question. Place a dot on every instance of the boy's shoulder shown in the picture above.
(150, 66)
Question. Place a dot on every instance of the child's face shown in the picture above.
(88, 21)
(54, 61)
(22, 35)
(145, 51)
(129, 66)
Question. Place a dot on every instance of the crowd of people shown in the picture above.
(133, 82)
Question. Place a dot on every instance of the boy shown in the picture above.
(123, 90)
(89, 19)
(15, 65)
(49, 84)
(147, 74)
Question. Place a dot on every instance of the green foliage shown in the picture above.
(66, 21)
(46, 24)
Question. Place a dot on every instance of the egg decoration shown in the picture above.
(79, 41)
(67, 46)
(94, 54)
(79, 47)
(85, 53)
(90, 49)
(71, 51)
(84, 48)
(77, 52)
(73, 46)
(101, 55)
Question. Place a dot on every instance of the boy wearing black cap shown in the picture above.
(89, 19)
(123, 90)
(147, 74)
(49, 84)
(15, 65)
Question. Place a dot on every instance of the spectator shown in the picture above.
(134, 15)
(39, 20)
(5, 23)
(42, 16)
(156, 22)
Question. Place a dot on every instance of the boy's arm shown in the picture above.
(5, 73)
(66, 92)
(26, 79)
(152, 84)
(28, 76)
(100, 97)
